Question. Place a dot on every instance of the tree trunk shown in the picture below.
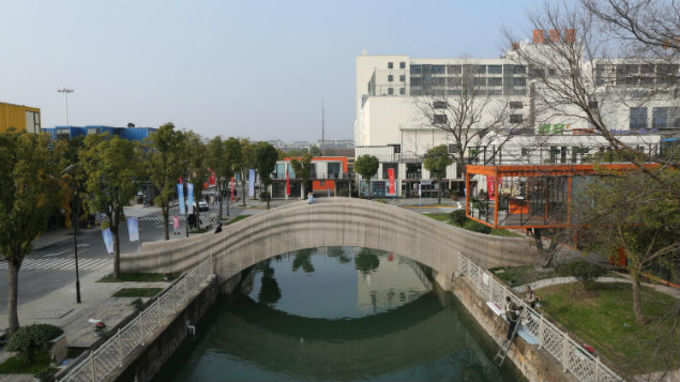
(439, 199)
(243, 190)
(228, 201)
(116, 247)
(637, 304)
(220, 197)
(166, 220)
(269, 195)
(302, 190)
(12, 296)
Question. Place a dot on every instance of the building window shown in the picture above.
(480, 81)
(454, 92)
(416, 81)
(438, 69)
(516, 105)
(402, 65)
(453, 69)
(402, 78)
(402, 91)
(390, 78)
(438, 81)
(416, 69)
(666, 118)
(495, 69)
(519, 82)
(480, 69)
(638, 118)
(519, 69)
(390, 91)
(453, 81)
(333, 170)
(516, 118)
(495, 81)
(439, 104)
(390, 65)
(439, 119)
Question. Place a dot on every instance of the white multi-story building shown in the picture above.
(393, 92)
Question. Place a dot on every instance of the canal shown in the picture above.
(338, 314)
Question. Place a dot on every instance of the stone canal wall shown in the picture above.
(331, 222)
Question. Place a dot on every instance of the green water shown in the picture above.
(337, 314)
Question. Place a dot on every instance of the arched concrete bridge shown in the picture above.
(330, 222)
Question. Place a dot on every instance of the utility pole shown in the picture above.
(323, 127)
(66, 92)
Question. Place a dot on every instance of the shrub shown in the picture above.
(582, 270)
(46, 375)
(33, 339)
(472, 225)
(457, 217)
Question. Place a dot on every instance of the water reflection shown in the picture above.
(351, 314)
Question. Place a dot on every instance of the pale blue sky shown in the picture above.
(246, 68)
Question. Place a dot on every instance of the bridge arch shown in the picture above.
(330, 222)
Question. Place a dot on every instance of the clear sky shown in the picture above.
(254, 69)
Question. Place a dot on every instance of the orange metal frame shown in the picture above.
(535, 171)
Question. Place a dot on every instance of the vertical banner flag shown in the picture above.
(232, 185)
(251, 183)
(133, 229)
(108, 240)
(180, 198)
(491, 182)
(190, 197)
(287, 181)
(390, 176)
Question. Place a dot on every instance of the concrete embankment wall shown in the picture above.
(536, 365)
(331, 222)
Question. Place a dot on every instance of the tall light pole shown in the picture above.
(75, 204)
(66, 93)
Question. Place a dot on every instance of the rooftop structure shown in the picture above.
(19, 118)
(70, 132)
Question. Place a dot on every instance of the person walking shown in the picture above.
(532, 299)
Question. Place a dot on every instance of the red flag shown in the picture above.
(390, 176)
(232, 188)
(287, 182)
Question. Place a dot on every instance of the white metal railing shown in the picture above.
(108, 358)
(573, 357)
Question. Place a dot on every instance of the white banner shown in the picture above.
(133, 229)
(108, 240)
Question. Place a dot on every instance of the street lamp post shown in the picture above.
(66, 92)
(75, 205)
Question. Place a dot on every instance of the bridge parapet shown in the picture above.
(331, 222)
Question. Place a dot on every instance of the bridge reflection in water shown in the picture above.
(338, 314)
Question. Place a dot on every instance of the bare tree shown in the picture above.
(474, 115)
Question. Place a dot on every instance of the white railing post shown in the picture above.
(120, 349)
(597, 369)
(565, 352)
(540, 331)
(94, 377)
(141, 325)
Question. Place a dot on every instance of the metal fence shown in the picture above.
(573, 357)
(107, 360)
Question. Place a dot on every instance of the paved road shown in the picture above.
(53, 267)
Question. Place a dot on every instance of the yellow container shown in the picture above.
(19, 117)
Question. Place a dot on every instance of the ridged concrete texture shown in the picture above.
(331, 222)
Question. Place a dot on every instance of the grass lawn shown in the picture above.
(524, 274)
(14, 365)
(444, 217)
(137, 292)
(603, 317)
(142, 277)
(238, 218)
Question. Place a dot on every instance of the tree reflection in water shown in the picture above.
(303, 258)
(367, 261)
(270, 292)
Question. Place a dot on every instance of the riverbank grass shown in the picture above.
(446, 218)
(139, 277)
(602, 316)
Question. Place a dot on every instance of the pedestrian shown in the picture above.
(532, 299)
(512, 315)
(175, 225)
(218, 229)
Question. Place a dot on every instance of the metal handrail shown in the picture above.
(106, 361)
(573, 357)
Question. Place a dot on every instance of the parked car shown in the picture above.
(203, 206)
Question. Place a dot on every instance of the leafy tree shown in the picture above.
(111, 168)
(366, 261)
(303, 170)
(339, 253)
(198, 168)
(163, 152)
(367, 166)
(217, 162)
(245, 163)
(31, 340)
(265, 161)
(233, 156)
(627, 212)
(315, 151)
(29, 186)
(437, 159)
